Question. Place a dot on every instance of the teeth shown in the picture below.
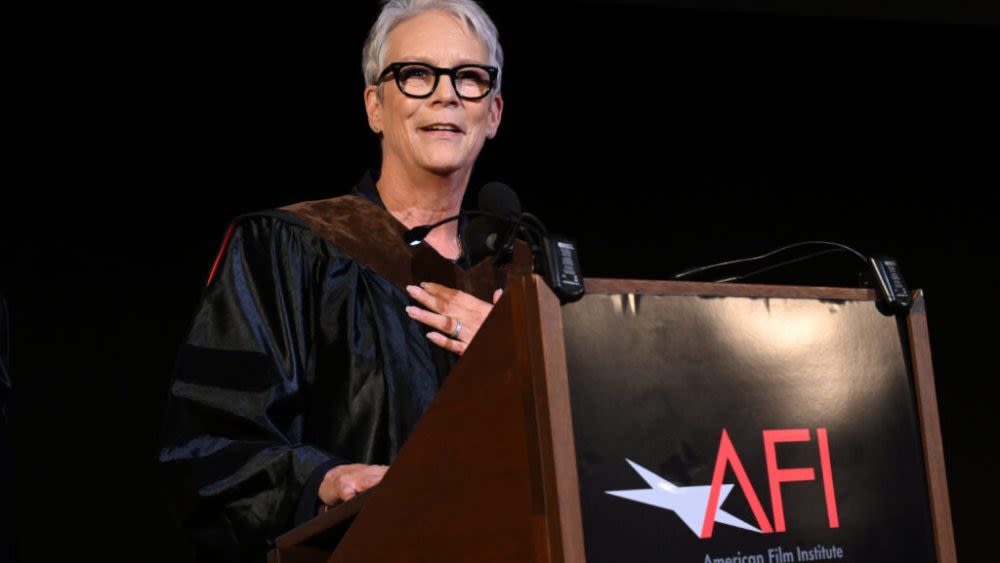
(440, 128)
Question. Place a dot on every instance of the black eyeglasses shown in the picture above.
(419, 80)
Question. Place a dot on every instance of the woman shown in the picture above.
(309, 359)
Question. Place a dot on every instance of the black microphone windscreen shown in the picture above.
(481, 237)
(500, 199)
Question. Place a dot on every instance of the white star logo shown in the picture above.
(690, 503)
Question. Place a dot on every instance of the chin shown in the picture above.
(446, 166)
(444, 169)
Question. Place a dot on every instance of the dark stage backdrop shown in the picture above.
(659, 136)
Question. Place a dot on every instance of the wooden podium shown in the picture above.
(525, 453)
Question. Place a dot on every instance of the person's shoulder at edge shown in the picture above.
(266, 227)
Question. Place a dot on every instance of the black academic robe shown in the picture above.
(300, 357)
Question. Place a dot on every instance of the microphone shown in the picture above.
(482, 238)
(496, 200)
(894, 295)
(495, 229)
(497, 225)
(485, 220)
(882, 271)
(500, 199)
(417, 234)
(553, 257)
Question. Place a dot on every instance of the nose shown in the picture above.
(445, 91)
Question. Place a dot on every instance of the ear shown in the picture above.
(496, 111)
(373, 106)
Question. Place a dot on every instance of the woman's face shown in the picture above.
(441, 40)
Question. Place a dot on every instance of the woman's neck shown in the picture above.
(423, 198)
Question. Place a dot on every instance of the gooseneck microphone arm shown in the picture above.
(840, 246)
(417, 234)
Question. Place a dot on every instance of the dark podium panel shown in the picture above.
(801, 409)
(667, 422)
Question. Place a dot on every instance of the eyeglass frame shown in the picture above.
(452, 72)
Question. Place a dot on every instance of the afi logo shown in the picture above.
(700, 506)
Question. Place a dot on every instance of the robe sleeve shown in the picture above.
(233, 452)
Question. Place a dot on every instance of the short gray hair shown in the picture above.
(395, 12)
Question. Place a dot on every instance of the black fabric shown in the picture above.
(299, 358)
(5, 379)
(309, 503)
(6, 463)
(366, 187)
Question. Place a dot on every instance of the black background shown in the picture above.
(658, 135)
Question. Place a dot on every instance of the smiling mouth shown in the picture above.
(441, 128)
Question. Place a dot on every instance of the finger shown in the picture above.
(334, 474)
(496, 295)
(456, 346)
(374, 472)
(347, 491)
(432, 301)
(345, 481)
(449, 301)
(364, 479)
(456, 297)
(440, 291)
(362, 471)
(438, 322)
(370, 481)
(448, 307)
